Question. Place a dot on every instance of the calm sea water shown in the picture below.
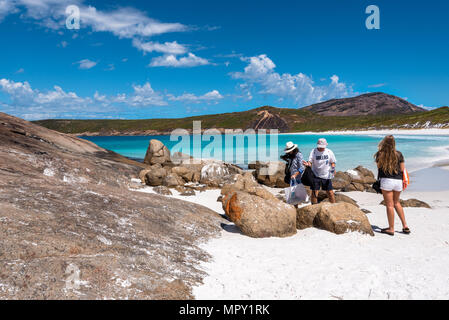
(350, 150)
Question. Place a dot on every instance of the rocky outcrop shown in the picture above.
(248, 184)
(268, 120)
(322, 197)
(338, 218)
(216, 173)
(341, 180)
(182, 170)
(358, 179)
(271, 174)
(255, 210)
(412, 203)
(172, 180)
(305, 216)
(66, 210)
(366, 104)
(162, 190)
(155, 175)
(157, 153)
(260, 218)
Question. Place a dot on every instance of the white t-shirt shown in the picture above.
(321, 162)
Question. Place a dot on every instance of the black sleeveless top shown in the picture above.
(398, 175)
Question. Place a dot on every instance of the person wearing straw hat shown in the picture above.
(295, 162)
(322, 161)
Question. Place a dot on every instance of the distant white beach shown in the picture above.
(417, 132)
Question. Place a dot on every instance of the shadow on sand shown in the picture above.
(232, 228)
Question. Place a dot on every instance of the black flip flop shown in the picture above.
(387, 232)
(406, 230)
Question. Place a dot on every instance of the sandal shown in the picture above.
(406, 230)
(387, 232)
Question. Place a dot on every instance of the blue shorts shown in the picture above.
(322, 184)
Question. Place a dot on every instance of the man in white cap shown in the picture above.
(322, 160)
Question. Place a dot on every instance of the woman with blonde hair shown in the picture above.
(390, 164)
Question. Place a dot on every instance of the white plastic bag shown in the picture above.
(296, 193)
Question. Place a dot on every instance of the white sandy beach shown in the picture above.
(417, 132)
(316, 264)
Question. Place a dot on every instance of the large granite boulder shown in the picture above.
(189, 172)
(341, 180)
(142, 175)
(172, 180)
(75, 230)
(155, 175)
(248, 184)
(338, 218)
(157, 153)
(271, 174)
(354, 186)
(306, 215)
(358, 176)
(322, 197)
(257, 217)
(358, 179)
(364, 172)
(216, 173)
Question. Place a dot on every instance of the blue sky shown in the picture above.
(158, 59)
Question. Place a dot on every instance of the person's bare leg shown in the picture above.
(314, 197)
(331, 196)
(399, 209)
(389, 203)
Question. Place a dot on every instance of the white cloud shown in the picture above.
(99, 98)
(23, 95)
(126, 22)
(122, 22)
(245, 90)
(212, 97)
(299, 88)
(167, 47)
(32, 103)
(21, 70)
(6, 7)
(171, 60)
(377, 85)
(146, 96)
(86, 64)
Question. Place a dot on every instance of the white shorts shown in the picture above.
(391, 184)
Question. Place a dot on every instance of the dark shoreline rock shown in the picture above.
(65, 205)
(412, 203)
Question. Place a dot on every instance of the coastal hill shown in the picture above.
(366, 104)
(350, 114)
(72, 229)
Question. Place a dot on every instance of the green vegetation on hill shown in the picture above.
(298, 120)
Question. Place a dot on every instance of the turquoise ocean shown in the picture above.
(420, 151)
